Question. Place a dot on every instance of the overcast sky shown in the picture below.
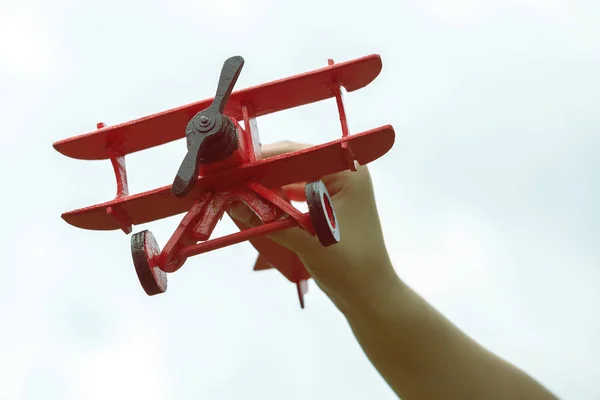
(489, 198)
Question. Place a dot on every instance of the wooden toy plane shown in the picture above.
(223, 164)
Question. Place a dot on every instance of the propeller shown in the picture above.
(211, 135)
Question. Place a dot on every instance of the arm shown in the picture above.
(422, 355)
(417, 351)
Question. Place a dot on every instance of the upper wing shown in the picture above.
(301, 166)
(278, 95)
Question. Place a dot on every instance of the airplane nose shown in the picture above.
(211, 136)
(220, 142)
(219, 145)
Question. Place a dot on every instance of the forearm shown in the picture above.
(420, 353)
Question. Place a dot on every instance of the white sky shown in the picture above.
(489, 198)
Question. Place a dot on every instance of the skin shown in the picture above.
(419, 353)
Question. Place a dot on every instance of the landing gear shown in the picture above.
(321, 213)
(145, 252)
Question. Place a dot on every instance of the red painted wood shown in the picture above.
(280, 203)
(267, 98)
(301, 166)
(237, 237)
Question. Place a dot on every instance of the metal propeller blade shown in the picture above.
(210, 123)
(229, 75)
(188, 172)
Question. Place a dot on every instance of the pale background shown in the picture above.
(489, 198)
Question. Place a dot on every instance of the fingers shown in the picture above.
(278, 148)
(294, 239)
(243, 213)
(295, 191)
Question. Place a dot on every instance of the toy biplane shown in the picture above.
(223, 164)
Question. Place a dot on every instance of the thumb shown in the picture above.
(294, 239)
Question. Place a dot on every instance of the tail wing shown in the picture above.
(262, 263)
(274, 255)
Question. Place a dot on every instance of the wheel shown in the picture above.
(145, 252)
(321, 213)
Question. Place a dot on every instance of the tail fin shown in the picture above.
(262, 263)
(274, 255)
(302, 287)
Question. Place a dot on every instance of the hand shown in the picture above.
(417, 351)
(343, 271)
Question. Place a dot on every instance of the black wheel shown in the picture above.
(145, 252)
(321, 213)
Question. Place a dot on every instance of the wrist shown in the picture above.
(359, 287)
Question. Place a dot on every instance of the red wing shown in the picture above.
(267, 98)
(301, 166)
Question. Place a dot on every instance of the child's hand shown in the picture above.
(417, 351)
(343, 270)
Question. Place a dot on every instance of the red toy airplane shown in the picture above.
(223, 164)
